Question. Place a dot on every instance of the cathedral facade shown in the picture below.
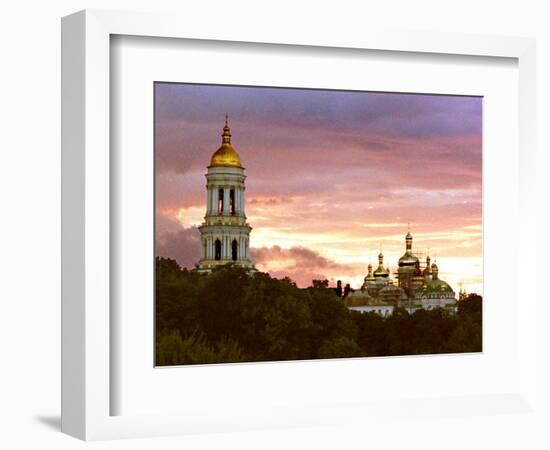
(418, 286)
(225, 233)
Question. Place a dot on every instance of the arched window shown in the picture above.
(232, 201)
(220, 201)
(218, 250)
(234, 246)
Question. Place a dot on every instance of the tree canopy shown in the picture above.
(230, 316)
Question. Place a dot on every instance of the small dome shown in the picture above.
(381, 271)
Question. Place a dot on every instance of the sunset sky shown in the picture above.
(332, 177)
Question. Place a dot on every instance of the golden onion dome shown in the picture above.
(408, 259)
(225, 156)
(381, 271)
(370, 276)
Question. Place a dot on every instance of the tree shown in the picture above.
(319, 284)
(231, 316)
(340, 347)
(172, 349)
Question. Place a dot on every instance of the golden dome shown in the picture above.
(381, 271)
(226, 156)
(408, 259)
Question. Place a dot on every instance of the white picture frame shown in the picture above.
(86, 216)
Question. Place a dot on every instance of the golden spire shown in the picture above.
(408, 241)
(226, 135)
(226, 154)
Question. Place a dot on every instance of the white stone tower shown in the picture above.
(225, 235)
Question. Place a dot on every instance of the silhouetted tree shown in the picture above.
(230, 316)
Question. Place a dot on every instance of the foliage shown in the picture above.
(319, 284)
(172, 349)
(230, 316)
(340, 347)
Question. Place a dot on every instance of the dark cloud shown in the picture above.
(411, 115)
(182, 245)
(300, 264)
(296, 256)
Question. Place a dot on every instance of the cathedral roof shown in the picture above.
(435, 286)
(381, 271)
(226, 155)
(408, 259)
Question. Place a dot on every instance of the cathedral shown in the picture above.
(418, 286)
(225, 234)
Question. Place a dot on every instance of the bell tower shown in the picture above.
(225, 234)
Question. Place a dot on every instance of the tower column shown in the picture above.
(225, 200)
(214, 209)
(213, 198)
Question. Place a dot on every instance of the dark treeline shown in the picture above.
(229, 316)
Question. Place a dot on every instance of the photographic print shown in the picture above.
(300, 224)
